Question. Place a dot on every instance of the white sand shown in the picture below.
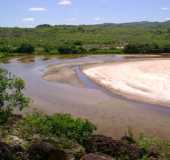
(145, 79)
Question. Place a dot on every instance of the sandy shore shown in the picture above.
(147, 80)
(62, 74)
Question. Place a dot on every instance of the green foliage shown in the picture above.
(102, 37)
(61, 125)
(146, 48)
(69, 48)
(11, 96)
(161, 146)
(25, 48)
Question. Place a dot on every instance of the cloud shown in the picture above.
(28, 19)
(164, 8)
(144, 17)
(38, 9)
(167, 18)
(64, 2)
(97, 18)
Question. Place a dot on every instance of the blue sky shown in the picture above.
(26, 13)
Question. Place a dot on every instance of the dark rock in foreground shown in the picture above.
(47, 151)
(5, 152)
(114, 148)
(96, 156)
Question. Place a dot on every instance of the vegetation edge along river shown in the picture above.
(142, 37)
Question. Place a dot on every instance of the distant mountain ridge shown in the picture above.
(140, 23)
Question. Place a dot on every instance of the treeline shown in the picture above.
(23, 48)
(141, 37)
(147, 48)
(76, 47)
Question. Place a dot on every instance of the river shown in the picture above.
(113, 114)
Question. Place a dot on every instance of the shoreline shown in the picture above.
(118, 92)
(112, 115)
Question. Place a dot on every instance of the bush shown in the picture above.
(11, 96)
(60, 125)
(25, 48)
(78, 43)
(6, 49)
(146, 48)
(68, 50)
(154, 146)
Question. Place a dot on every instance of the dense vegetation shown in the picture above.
(142, 37)
(11, 96)
(57, 125)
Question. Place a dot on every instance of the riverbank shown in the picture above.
(147, 80)
(112, 114)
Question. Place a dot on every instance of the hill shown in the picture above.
(107, 37)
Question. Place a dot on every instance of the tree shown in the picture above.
(11, 95)
(25, 48)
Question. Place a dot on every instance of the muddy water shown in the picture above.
(112, 114)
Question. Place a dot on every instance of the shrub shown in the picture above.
(146, 48)
(155, 146)
(78, 43)
(68, 50)
(25, 48)
(4, 48)
(11, 96)
(60, 125)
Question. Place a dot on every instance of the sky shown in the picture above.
(29, 13)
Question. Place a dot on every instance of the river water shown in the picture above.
(112, 114)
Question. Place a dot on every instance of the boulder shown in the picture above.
(15, 141)
(46, 151)
(96, 156)
(5, 152)
(69, 147)
(114, 148)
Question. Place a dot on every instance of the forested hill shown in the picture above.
(106, 36)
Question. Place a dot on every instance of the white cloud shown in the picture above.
(144, 17)
(167, 18)
(65, 2)
(28, 19)
(164, 8)
(97, 18)
(39, 9)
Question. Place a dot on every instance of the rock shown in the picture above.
(114, 148)
(14, 140)
(76, 150)
(46, 151)
(69, 147)
(17, 149)
(17, 146)
(96, 156)
(5, 152)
